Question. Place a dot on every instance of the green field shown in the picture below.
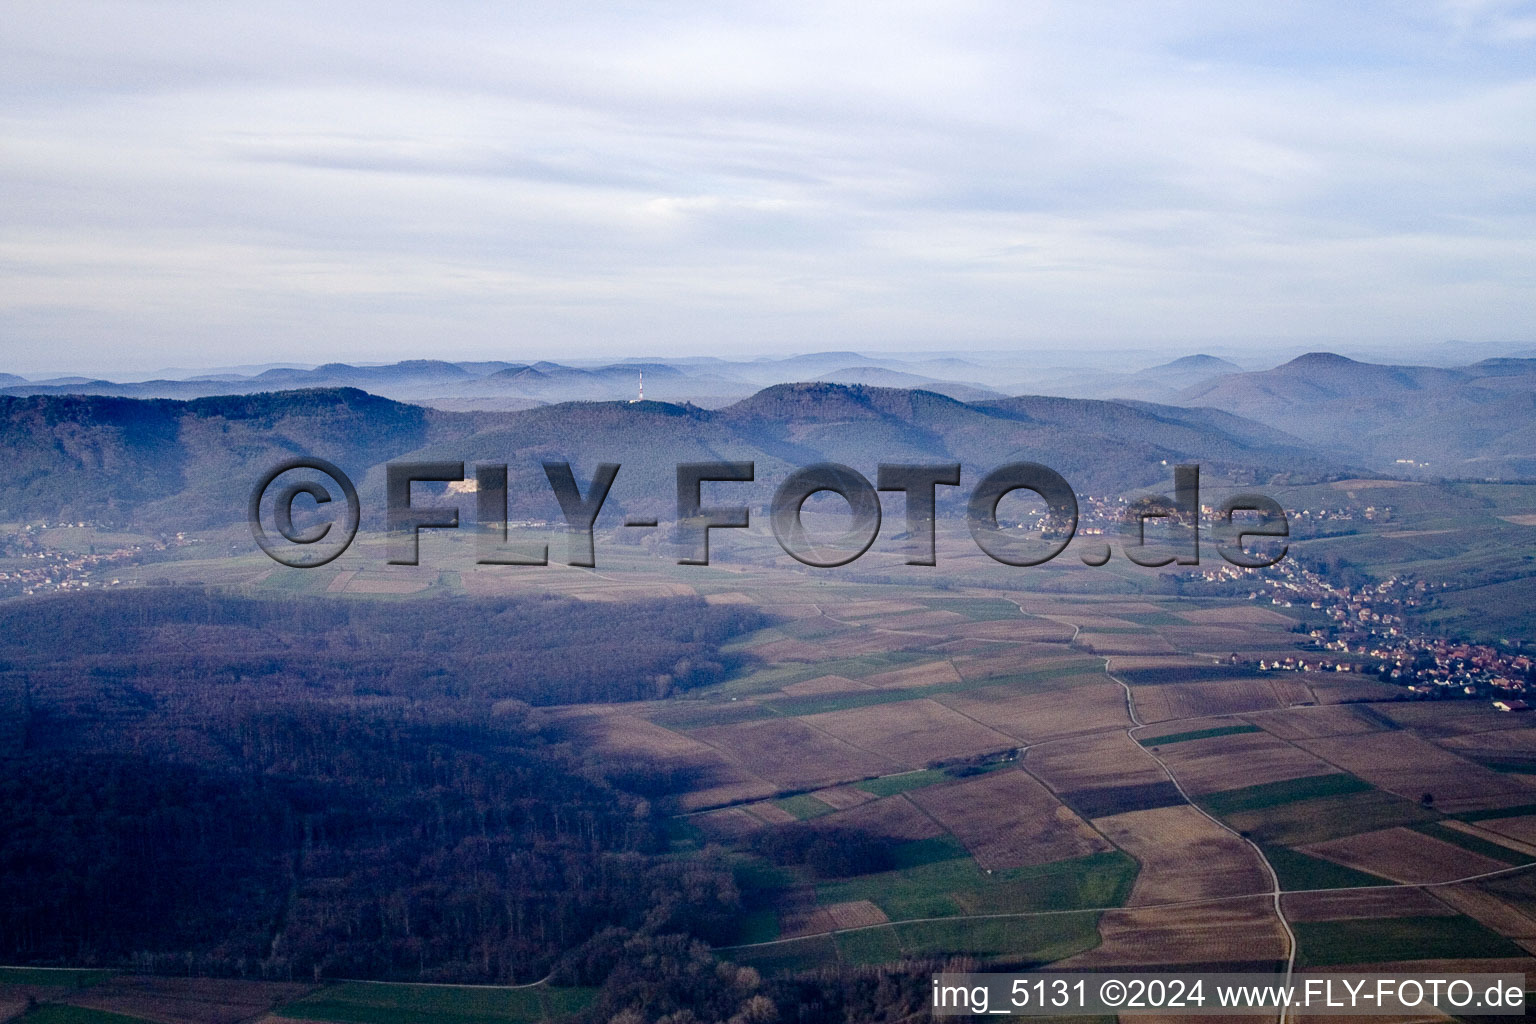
(761, 883)
(1516, 765)
(60, 1014)
(1273, 794)
(869, 946)
(957, 886)
(1464, 544)
(1298, 870)
(767, 679)
(890, 785)
(815, 704)
(1329, 817)
(52, 977)
(57, 1013)
(804, 954)
(1075, 673)
(980, 609)
(1488, 613)
(804, 806)
(918, 852)
(1197, 734)
(1099, 880)
(366, 1003)
(1498, 812)
(1325, 943)
(1019, 940)
(1152, 619)
(805, 629)
(1475, 844)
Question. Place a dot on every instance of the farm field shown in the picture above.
(186, 1000)
(1073, 734)
(1008, 820)
(428, 1004)
(1204, 764)
(132, 999)
(1379, 902)
(65, 1013)
(1006, 768)
(1387, 939)
(1405, 855)
(1411, 765)
(1083, 779)
(976, 749)
(1325, 817)
(1205, 934)
(1183, 855)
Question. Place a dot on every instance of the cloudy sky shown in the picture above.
(190, 186)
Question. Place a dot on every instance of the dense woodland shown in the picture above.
(195, 781)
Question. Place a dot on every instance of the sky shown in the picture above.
(188, 184)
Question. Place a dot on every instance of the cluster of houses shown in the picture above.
(29, 565)
(1370, 514)
(1365, 631)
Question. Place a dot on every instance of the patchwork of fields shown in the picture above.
(1075, 779)
(1051, 800)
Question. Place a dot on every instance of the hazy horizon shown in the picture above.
(186, 186)
(1447, 353)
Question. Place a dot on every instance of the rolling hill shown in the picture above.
(711, 382)
(185, 465)
(1472, 421)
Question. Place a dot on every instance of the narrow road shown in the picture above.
(1136, 726)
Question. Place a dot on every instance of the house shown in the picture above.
(1511, 705)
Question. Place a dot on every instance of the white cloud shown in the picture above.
(181, 183)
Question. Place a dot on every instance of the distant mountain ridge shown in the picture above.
(1472, 421)
(1192, 366)
(711, 382)
(188, 464)
(1469, 421)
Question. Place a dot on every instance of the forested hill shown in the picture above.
(1473, 421)
(187, 465)
(180, 464)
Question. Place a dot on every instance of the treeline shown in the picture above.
(541, 650)
(828, 852)
(209, 784)
(673, 980)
